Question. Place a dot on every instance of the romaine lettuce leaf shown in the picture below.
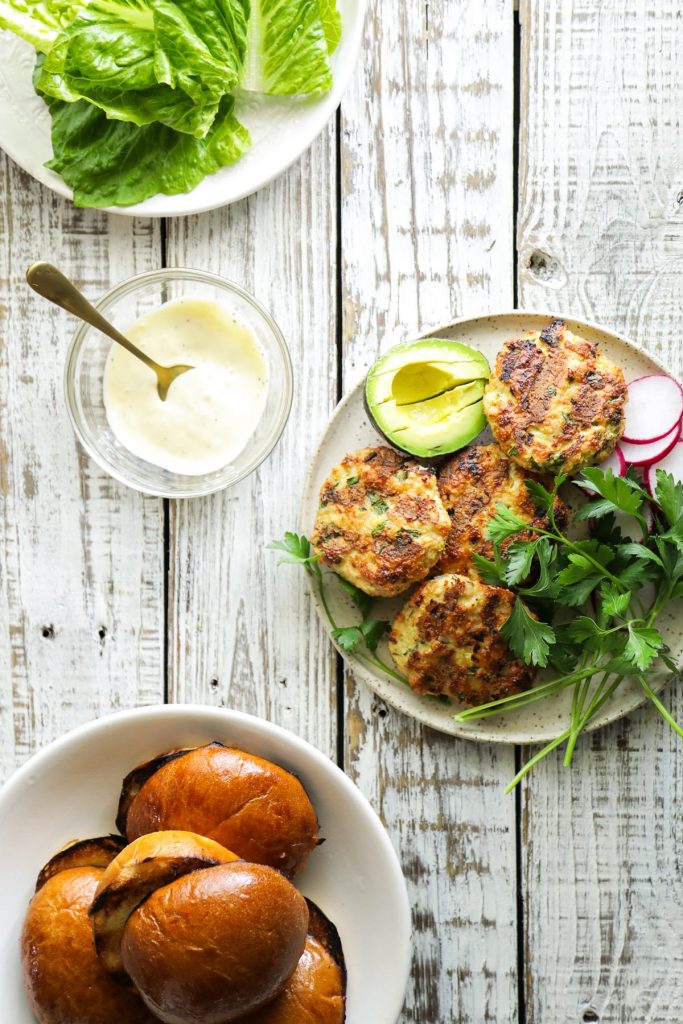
(150, 60)
(332, 23)
(117, 163)
(36, 21)
(289, 46)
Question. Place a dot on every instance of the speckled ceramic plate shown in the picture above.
(281, 128)
(350, 428)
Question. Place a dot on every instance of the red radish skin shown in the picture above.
(654, 407)
(653, 451)
(671, 463)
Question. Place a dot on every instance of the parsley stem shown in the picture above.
(526, 696)
(666, 715)
(549, 747)
(318, 578)
(319, 582)
(378, 663)
(557, 536)
(599, 699)
(579, 720)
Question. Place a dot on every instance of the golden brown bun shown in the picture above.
(251, 806)
(82, 853)
(152, 861)
(216, 944)
(316, 992)
(65, 982)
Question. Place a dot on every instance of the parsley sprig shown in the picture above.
(599, 583)
(361, 639)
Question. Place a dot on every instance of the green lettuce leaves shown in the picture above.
(289, 46)
(36, 21)
(116, 163)
(150, 60)
(142, 92)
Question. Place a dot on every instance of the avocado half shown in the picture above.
(426, 396)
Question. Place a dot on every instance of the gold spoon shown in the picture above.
(49, 282)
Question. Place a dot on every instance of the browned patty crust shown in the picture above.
(446, 639)
(555, 402)
(380, 523)
(472, 484)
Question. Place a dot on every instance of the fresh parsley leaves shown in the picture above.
(296, 548)
(527, 637)
(361, 639)
(643, 645)
(370, 632)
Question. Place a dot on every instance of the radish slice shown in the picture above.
(671, 463)
(616, 461)
(651, 451)
(655, 406)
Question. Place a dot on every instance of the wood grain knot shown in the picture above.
(379, 709)
(48, 632)
(213, 683)
(590, 1016)
(679, 198)
(544, 268)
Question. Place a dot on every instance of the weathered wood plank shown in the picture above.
(426, 162)
(81, 558)
(242, 632)
(601, 234)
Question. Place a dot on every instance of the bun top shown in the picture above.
(65, 982)
(168, 846)
(146, 864)
(217, 944)
(248, 804)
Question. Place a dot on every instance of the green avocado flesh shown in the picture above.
(425, 396)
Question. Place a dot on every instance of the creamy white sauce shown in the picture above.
(211, 411)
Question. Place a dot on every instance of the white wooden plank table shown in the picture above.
(563, 904)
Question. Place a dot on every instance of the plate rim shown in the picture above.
(364, 674)
(324, 111)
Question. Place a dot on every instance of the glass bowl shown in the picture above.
(84, 376)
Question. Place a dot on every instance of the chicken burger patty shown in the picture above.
(446, 639)
(471, 484)
(381, 523)
(555, 403)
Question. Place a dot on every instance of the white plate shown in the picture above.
(350, 428)
(281, 128)
(71, 790)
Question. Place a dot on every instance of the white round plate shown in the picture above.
(281, 128)
(71, 788)
(350, 428)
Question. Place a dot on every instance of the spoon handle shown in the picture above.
(48, 281)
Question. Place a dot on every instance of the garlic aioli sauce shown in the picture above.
(211, 411)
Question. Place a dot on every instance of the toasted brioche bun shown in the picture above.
(144, 865)
(248, 804)
(316, 992)
(217, 944)
(65, 982)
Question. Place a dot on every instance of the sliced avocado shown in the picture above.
(425, 396)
